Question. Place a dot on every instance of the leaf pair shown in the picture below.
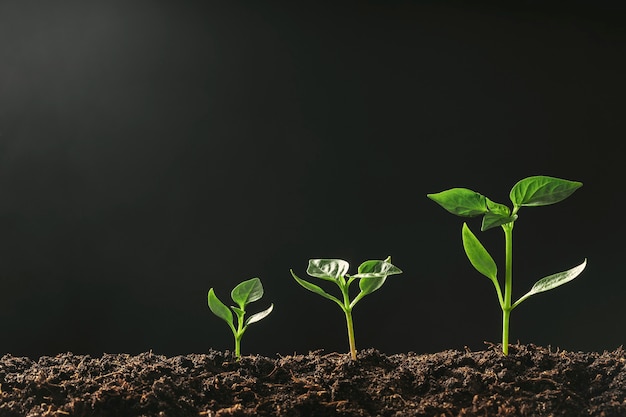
(482, 261)
(243, 294)
(371, 274)
(532, 191)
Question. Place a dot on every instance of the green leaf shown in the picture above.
(369, 285)
(541, 191)
(377, 269)
(219, 309)
(491, 220)
(259, 316)
(238, 312)
(497, 208)
(373, 274)
(247, 292)
(328, 269)
(478, 255)
(553, 281)
(314, 288)
(461, 201)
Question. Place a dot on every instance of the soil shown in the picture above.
(531, 381)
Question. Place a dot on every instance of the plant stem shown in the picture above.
(508, 286)
(506, 314)
(348, 312)
(238, 336)
(347, 309)
(238, 346)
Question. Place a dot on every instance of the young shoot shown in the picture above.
(243, 294)
(371, 276)
(529, 192)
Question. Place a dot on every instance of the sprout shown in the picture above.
(371, 275)
(531, 191)
(243, 294)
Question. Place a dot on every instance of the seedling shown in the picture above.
(371, 276)
(531, 191)
(243, 294)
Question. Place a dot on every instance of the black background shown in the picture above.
(152, 150)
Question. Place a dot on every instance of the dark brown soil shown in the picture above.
(531, 381)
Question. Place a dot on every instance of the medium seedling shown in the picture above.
(243, 294)
(371, 276)
(531, 191)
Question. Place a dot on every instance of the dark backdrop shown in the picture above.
(152, 150)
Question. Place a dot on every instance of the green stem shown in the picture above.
(506, 314)
(238, 335)
(347, 309)
(508, 285)
(351, 332)
(238, 346)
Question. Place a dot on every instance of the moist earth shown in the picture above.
(530, 381)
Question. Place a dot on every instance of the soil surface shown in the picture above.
(531, 381)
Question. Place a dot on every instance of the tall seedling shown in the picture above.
(531, 191)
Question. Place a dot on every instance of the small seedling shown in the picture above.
(371, 276)
(531, 191)
(243, 294)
